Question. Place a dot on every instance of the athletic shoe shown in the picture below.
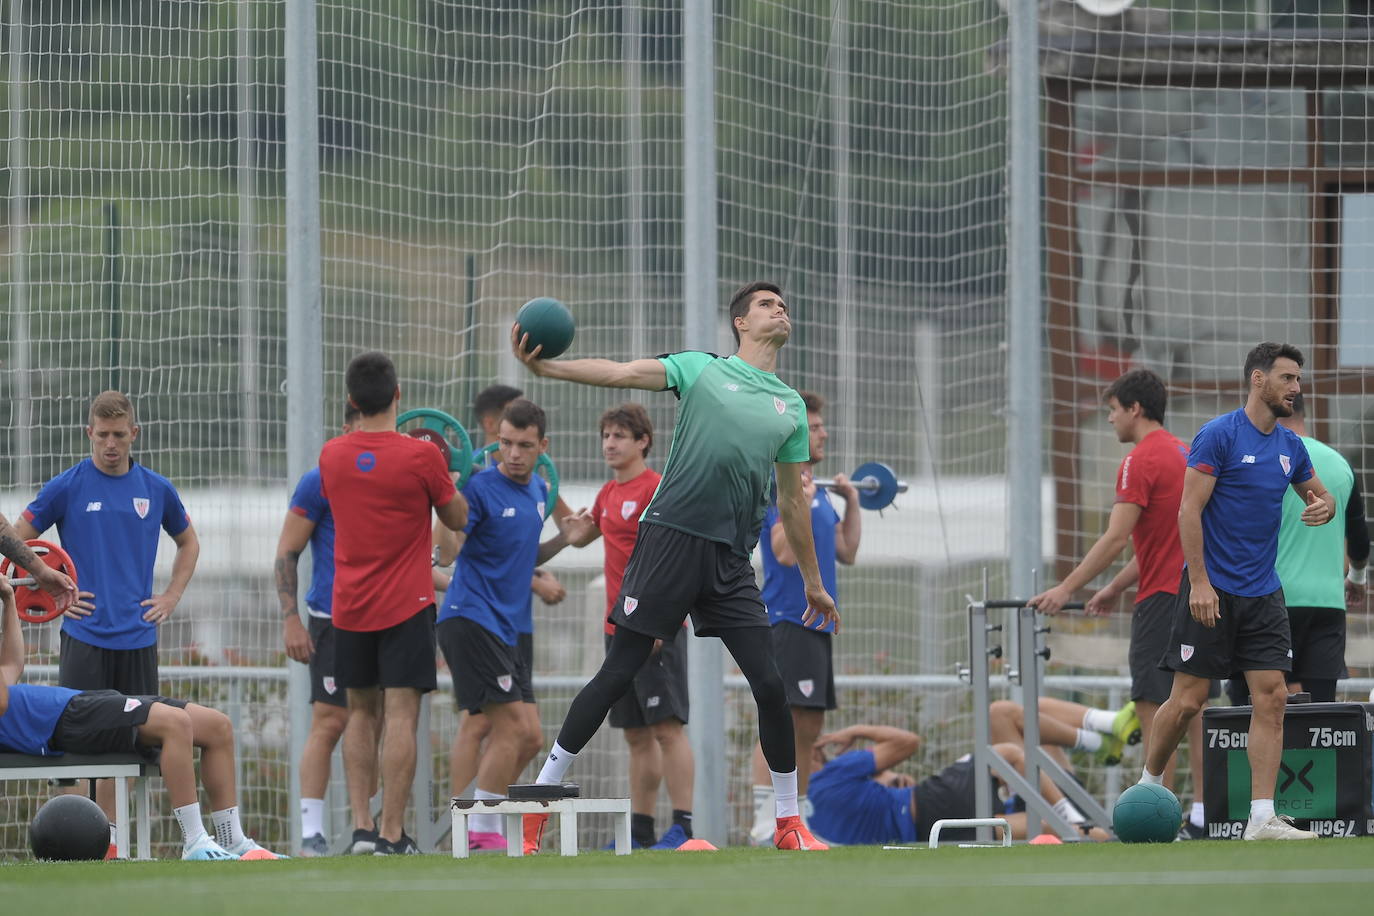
(792, 834)
(249, 851)
(204, 849)
(314, 847)
(479, 841)
(1189, 831)
(1126, 725)
(672, 839)
(405, 846)
(364, 842)
(610, 847)
(761, 834)
(534, 832)
(1109, 754)
(1278, 827)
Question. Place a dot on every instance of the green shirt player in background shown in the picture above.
(1311, 564)
(736, 423)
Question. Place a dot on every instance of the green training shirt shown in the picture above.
(733, 423)
(1311, 560)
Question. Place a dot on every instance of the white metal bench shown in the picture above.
(118, 767)
(567, 810)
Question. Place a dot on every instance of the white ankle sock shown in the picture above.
(1065, 809)
(1099, 720)
(763, 805)
(228, 831)
(1195, 816)
(1149, 778)
(1261, 809)
(1085, 740)
(192, 828)
(485, 823)
(114, 834)
(555, 766)
(785, 794)
(312, 817)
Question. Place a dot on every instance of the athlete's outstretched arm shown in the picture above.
(11, 643)
(645, 374)
(794, 511)
(1108, 547)
(891, 745)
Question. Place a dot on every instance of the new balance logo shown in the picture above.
(508, 512)
(731, 386)
(1248, 459)
(652, 702)
(93, 506)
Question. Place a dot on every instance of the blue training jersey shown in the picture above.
(110, 526)
(491, 580)
(784, 593)
(853, 810)
(308, 502)
(31, 718)
(1240, 523)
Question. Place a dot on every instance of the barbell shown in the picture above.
(878, 486)
(34, 604)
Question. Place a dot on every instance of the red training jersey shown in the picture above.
(1151, 477)
(616, 512)
(380, 488)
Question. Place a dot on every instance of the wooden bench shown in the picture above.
(118, 767)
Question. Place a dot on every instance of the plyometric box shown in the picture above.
(1324, 780)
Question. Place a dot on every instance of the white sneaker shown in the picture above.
(761, 834)
(249, 851)
(205, 849)
(1278, 827)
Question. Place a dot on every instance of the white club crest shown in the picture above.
(779, 405)
(630, 605)
(505, 682)
(627, 508)
(141, 506)
(1287, 464)
(331, 687)
(1185, 651)
(130, 704)
(807, 687)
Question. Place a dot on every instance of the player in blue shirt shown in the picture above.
(109, 512)
(803, 654)
(309, 522)
(45, 721)
(487, 605)
(1230, 615)
(859, 799)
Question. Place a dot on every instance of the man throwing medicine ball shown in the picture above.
(737, 421)
(1230, 614)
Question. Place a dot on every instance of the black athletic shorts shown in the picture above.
(323, 687)
(1318, 653)
(672, 573)
(106, 722)
(82, 666)
(399, 656)
(485, 670)
(1252, 635)
(804, 660)
(659, 690)
(949, 793)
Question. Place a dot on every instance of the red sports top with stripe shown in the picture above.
(1151, 477)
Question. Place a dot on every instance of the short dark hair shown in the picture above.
(493, 399)
(371, 382)
(522, 413)
(814, 402)
(351, 412)
(1264, 356)
(739, 302)
(1299, 406)
(1143, 387)
(632, 417)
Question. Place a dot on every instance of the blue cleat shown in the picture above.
(672, 839)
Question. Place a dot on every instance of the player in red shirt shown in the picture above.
(654, 710)
(381, 486)
(1149, 487)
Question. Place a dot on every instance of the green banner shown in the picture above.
(1306, 787)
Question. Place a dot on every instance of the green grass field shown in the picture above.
(1111, 879)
